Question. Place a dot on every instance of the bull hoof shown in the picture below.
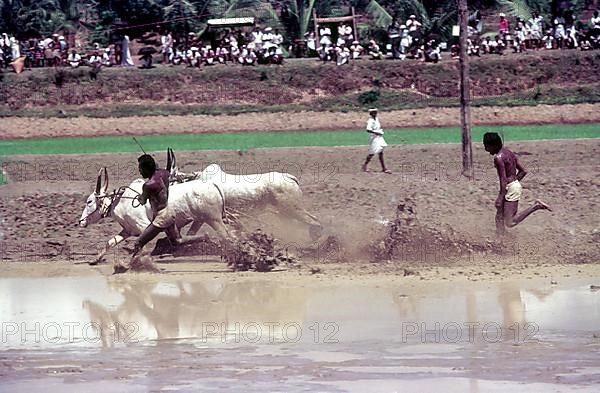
(95, 262)
(118, 269)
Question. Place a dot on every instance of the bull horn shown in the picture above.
(173, 159)
(105, 186)
(98, 182)
(169, 160)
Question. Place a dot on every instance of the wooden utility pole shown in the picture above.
(465, 92)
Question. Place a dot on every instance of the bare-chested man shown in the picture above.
(155, 190)
(510, 173)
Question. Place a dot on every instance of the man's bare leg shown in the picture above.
(511, 218)
(364, 167)
(149, 233)
(173, 234)
(500, 228)
(383, 168)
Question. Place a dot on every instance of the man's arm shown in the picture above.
(499, 164)
(143, 197)
(521, 172)
(371, 128)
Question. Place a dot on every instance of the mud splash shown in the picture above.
(407, 238)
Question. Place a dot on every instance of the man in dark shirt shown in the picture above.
(510, 174)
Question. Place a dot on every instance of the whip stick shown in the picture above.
(138, 143)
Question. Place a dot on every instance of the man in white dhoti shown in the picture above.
(376, 141)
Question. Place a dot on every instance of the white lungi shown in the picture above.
(376, 144)
(514, 190)
(376, 141)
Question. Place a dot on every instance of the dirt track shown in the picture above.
(430, 117)
(41, 206)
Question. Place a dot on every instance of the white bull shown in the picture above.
(279, 191)
(199, 202)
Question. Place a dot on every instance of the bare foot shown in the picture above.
(542, 205)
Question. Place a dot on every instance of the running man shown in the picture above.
(510, 174)
(376, 141)
(155, 190)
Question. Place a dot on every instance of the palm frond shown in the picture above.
(516, 8)
(306, 16)
(381, 16)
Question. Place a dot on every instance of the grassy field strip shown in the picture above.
(244, 141)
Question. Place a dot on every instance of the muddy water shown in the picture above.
(112, 334)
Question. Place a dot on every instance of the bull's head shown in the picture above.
(98, 202)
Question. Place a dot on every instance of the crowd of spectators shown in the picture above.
(406, 40)
(50, 52)
(234, 46)
(536, 33)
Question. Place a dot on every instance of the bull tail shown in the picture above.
(222, 198)
(292, 177)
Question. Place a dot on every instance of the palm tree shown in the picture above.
(8, 15)
(67, 12)
(436, 16)
(296, 15)
(262, 11)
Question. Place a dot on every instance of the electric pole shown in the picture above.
(465, 92)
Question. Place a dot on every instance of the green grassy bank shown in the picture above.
(244, 141)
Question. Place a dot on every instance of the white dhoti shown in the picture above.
(376, 144)
(514, 190)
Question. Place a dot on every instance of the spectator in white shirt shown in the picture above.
(348, 36)
(412, 23)
(95, 60)
(342, 55)
(356, 50)
(325, 34)
(536, 26)
(74, 59)
(193, 57)
(277, 38)
(595, 21)
(106, 58)
(374, 51)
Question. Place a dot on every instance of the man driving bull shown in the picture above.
(155, 190)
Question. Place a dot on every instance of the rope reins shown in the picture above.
(114, 196)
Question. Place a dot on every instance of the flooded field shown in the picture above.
(97, 333)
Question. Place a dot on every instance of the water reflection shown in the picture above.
(213, 311)
(108, 312)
